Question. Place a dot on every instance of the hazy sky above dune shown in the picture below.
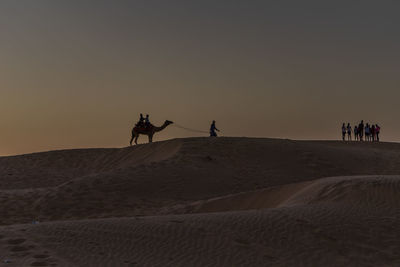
(77, 73)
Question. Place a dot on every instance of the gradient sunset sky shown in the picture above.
(76, 74)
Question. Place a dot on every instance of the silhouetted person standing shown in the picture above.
(355, 132)
(343, 132)
(373, 132)
(361, 130)
(213, 130)
(348, 132)
(367, 132)
(377, 131)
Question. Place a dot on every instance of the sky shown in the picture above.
(76, 74)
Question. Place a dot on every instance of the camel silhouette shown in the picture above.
(149, 131)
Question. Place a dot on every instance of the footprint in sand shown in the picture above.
(242, 241)
(16, 241)
(18, 248)
(43, 260)
(39, 263)
(177, 221)
(41, 256)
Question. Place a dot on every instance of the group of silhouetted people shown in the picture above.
(143, 122)
(371, 132)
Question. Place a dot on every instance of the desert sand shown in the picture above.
(203, 202)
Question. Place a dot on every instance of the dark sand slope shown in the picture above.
(237, 202)
(338, 221)
(143, 180)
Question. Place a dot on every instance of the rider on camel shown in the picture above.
(140, 123)
(147, 123)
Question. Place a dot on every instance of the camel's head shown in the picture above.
(167, 122)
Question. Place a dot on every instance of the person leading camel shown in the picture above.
(213, 130)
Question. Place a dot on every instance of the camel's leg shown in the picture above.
(150, 138)
(133, 136)
(136, 138)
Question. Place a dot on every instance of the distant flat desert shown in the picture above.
(203, 202)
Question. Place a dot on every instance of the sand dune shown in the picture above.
(204, 202)
(56, 167)
(321, 230)
(359, 191)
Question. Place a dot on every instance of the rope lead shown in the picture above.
(189, 129)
